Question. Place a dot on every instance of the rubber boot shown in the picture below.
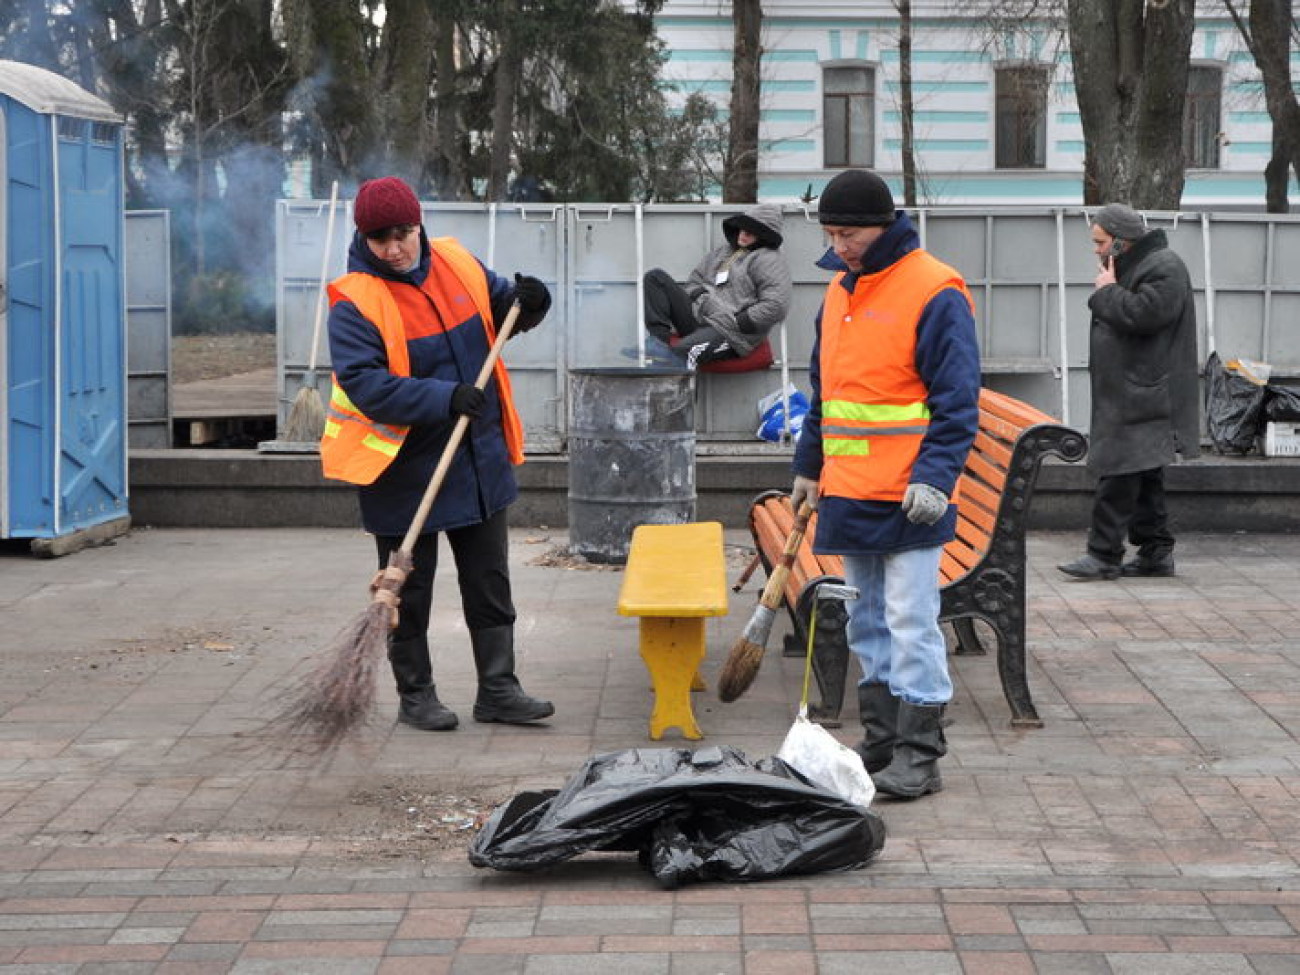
(420, 707)
(878, 710)
(914, 772)
(500, 698)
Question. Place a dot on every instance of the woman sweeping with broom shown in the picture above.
(410, 328)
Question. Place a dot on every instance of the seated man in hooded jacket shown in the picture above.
(733, 298)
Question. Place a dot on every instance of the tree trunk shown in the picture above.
(905, 90)
(448, 161)
(327, 43)
(406, 68)
(1269, 40)
(505, 81)
(740, 182)
(1130, 78)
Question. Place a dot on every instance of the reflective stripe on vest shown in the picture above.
(355, 448)
(874, 411)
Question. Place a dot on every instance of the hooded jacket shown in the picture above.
(481, 480)
(1142, 363)
(755, 295)
(946, 359)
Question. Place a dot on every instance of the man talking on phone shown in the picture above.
(1142, 363)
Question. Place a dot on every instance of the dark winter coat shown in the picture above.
(1143, 363)
(948, 361)
(756, 294)
(481, 480)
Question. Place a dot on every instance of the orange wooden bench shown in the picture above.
(982, 571)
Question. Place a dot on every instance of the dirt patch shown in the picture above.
(413, 817)
(196, 357)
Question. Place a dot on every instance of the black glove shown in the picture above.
(744, 323)
(468, 401)
(531, 294)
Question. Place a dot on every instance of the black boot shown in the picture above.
(420, 707)
(500, 698)
(878, 710)
(914, 772)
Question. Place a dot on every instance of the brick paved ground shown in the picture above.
(1152, 826)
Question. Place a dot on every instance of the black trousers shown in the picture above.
(1131, 505)
(668, 316)
(481, 553)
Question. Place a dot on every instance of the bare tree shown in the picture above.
(406, 57)
(1130, 77)
(505, 83)
(1268, 36)
(329, 43)
(740, 184)
(904, 8)
(450, 151)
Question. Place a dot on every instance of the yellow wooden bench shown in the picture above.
(675, 577)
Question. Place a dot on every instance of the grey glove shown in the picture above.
(923, 504)
(805, 489)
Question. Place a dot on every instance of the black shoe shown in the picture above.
(500, 698)
(878, 711)
(1090, 568)
(1145, 567)
(914, 770)
(518, 709)
(422, 709)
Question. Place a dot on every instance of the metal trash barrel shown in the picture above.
(631, 456)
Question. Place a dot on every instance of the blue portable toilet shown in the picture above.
(63, 459)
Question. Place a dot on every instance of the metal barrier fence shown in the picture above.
(147, 265)
(1029, 269)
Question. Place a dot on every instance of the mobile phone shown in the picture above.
(1116, 249)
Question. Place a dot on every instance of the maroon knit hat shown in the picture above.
(385, 202)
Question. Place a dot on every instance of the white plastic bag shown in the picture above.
(819, 756)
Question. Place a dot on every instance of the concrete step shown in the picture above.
(248, 489)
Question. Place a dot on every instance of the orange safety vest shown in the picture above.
(356, 449)
(874, 412)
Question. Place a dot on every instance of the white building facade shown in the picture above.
(995, 117)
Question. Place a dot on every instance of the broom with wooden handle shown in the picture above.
(306, 420)
(746, 654)
(338, 696)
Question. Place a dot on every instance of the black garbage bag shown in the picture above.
(690, 817)
(1281, 404)
(1234, 407)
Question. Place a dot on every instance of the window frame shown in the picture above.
(1212, 99)
(1005, 69)
(844, 130)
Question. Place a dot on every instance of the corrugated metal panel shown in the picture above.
(148, 327)
(1030, 271)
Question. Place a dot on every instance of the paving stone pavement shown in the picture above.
(148, 824)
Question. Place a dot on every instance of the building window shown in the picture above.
(849, 115)
(1201, 123)
(1021, 94)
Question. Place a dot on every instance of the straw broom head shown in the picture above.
(306, 421)
(338, 695)
(746, 655)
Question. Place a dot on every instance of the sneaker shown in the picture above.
(1090, 568)
(663, 356)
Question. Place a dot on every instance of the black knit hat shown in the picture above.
(856, 198)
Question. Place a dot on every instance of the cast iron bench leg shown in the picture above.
(968, 642)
